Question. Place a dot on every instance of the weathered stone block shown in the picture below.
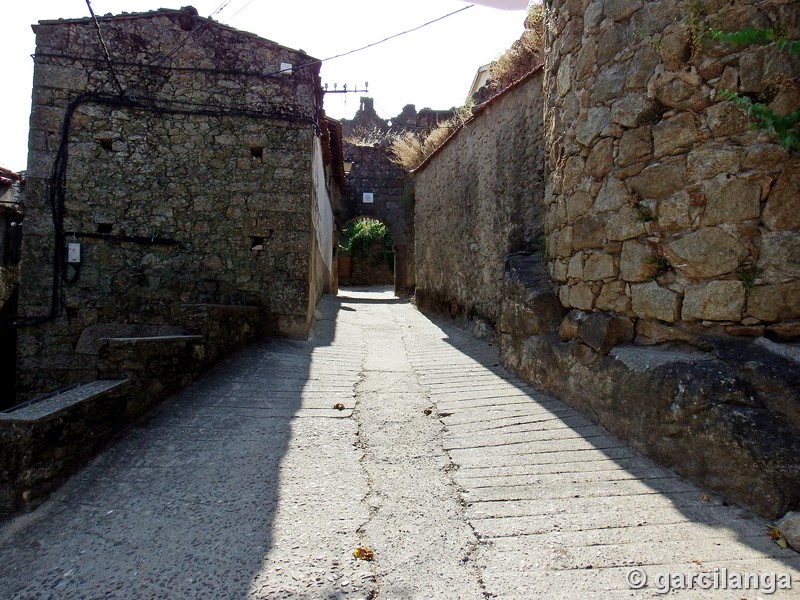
(577, 204)
(602, 331)
(601, 158)
(632, 110)
(772, 303)
(714, 301)
(597, 119)
(674, 135)
(609, 83)
(706, 253)
(651, 301)
(581, 296)
(708, 161)
(614, 298)
(612, 196)
(625, 224)
(731, 200)
(635, 145)
(575, 268)
(570, 327)
(782, 210)
(725, 119)
(564, 243)
(599, 266)
(659, 180)
(638, 261)
(673, 212)
(779, 260)
(587, 233)
(621, 10)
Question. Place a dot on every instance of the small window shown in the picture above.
(257, 152)
(105, 227)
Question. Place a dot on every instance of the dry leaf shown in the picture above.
(697, 562)
(777, 536)
(427, 411)
(338, 406)
(705, 497)
(364, 553)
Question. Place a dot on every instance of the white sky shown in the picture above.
(432, 67)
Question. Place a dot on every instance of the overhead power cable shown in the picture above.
(396, 35)
(105, 50)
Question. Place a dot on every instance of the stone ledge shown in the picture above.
(46, 440)
(57, 403)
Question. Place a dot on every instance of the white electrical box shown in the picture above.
(367, 198)
(286, 68)
(73, 252)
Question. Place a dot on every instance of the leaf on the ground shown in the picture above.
(697, 562)
(427, 411)
(338, 406)
(364, 553)
(705, 497)
(777, 536)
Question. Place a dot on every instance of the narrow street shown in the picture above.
(463, 481)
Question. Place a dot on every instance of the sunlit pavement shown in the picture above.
(390, 432)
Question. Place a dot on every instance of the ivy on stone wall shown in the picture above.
(786, 127)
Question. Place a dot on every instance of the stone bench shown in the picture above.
(45, 440)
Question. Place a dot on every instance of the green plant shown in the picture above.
(660, 265)
(361, 236)
(748, 278)
(697, 28)
(645, 213)
(785, 127)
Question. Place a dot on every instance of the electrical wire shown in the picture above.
(238, 11)
(105, 50)
(391, 37)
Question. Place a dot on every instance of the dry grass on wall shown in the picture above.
(524, 54)
(411, 148)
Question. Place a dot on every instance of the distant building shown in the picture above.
(191, 164)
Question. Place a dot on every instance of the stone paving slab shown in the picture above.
(465, 482)
(564, 510)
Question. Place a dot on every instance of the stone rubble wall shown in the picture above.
(393, 202)
(479, 199)
(662, 204)
(197, 189)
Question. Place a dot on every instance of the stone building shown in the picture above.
(174, 162)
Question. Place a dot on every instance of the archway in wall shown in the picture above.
(365, 253)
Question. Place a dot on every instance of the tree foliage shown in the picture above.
(361, 237)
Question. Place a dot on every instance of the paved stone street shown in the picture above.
(464, 481)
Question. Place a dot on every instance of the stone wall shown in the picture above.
(196, 186)
(392, 203)
(479, 198)
(663, 205)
